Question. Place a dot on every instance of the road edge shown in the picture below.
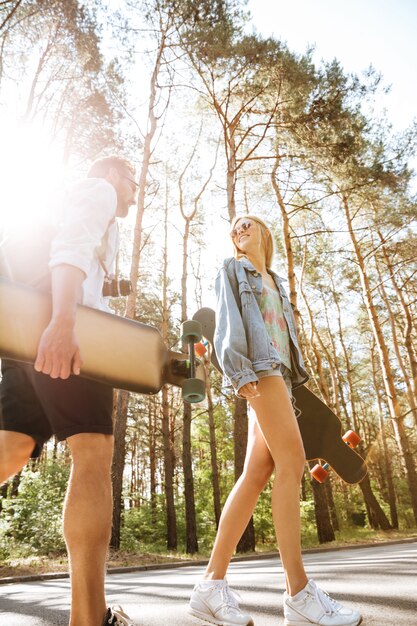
(172, 565)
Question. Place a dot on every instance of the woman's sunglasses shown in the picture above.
(244, 225)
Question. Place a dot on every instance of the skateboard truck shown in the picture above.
(193, 389)
(319, 471)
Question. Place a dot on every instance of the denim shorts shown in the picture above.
(282, 371)
(285, 373)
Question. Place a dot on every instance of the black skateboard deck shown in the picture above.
(320, 428)
(120, 352)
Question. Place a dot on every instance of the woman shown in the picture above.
(256, 345)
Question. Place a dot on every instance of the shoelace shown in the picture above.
(326, 602)
(230, 597)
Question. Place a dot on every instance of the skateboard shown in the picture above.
(118, 351)
(321, 429)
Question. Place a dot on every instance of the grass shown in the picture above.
(35, 565)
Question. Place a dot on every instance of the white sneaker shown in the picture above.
(315, 606)
(218, 604)
(117, 617)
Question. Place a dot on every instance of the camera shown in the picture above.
(115, 287)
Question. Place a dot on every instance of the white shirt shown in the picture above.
(88, 215)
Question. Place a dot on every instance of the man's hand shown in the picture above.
(58, 351)
(249, 391)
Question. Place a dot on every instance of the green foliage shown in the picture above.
(308, 524)
(31, 522)
(144, 527)
(209, 28)
(262, 519)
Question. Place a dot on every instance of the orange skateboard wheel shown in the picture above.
(351, 438)
(320, 473)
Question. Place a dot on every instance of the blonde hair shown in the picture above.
(266, 237)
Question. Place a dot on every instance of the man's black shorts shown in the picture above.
(39, 406)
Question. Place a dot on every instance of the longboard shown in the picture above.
(120, 352)
(321, 429)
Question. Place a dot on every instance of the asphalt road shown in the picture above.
(379, 581)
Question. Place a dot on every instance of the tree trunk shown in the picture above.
(121, 418)
(191, 540)
(331, 505)
(240, 435)
(168, 442)
(325, 532)
(407, 331)
(385, 452)
(152, 457)
(391, 392)
(394, 333)
(377, 517)
(213, 456)
(372, 505)
(135, 476)
(171, 515)
(287, 241)
(312, 340)
(190, 513)
(3, 494)
(119, 464)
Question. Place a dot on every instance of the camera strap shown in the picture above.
(101, 255)
(104, 267)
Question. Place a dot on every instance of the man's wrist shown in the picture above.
(64, 319)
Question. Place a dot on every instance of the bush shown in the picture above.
(32, 520)
(140, 528)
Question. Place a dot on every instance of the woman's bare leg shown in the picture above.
(276, 419)
(241, 501)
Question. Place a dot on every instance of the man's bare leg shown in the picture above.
(15, 451)
(87, 525)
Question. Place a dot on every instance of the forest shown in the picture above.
(221, 121)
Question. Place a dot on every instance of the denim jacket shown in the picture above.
(241, 341)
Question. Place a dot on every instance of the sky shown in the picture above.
(356, 32)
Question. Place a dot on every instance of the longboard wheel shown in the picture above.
(351, 438)
(319, 473)
(200, 349)
(191, 331)
(193, 390)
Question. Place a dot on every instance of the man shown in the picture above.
(50, 398)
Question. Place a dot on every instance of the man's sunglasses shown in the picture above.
(244, 225)
(133, 182)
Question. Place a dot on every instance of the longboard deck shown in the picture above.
(117, 351)
(320, 428)
(321, 431)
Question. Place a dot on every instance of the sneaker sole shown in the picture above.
(304, 623)
(213, 620)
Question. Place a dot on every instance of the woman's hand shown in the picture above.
(249, 390)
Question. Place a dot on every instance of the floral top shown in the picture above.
(276, 326)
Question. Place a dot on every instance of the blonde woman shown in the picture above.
(256, 345)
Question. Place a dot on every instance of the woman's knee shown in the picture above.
(291, 465)
(258, 477)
